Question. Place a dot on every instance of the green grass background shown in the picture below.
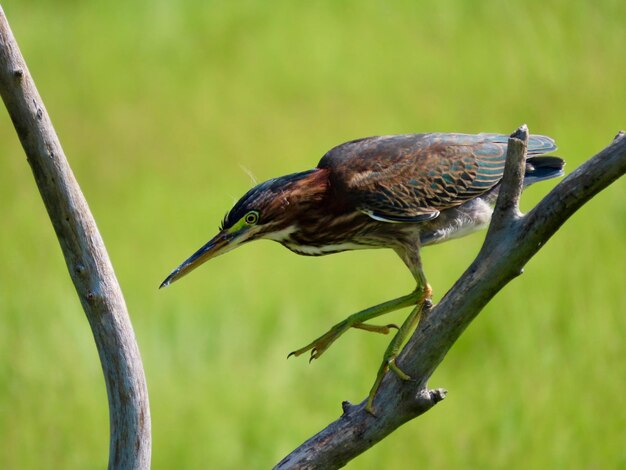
(159, 106)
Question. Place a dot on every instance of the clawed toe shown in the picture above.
(382, 329)
(391, 363)
(321, 344)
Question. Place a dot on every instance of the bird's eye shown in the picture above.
(251, 217)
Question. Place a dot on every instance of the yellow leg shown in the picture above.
(357, 320)
(392, 351)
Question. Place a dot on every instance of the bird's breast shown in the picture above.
(317, 236)
(320, 250)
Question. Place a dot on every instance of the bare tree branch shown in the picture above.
(511, 241)
(507, 204)
(86, 257)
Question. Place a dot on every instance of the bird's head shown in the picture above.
(264, 211)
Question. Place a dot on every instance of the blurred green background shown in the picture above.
(161, 105)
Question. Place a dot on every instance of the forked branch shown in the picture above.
(512, 239)
(86, 258)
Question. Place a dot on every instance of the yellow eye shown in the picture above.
(251, 217)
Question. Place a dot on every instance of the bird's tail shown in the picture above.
(543, 168)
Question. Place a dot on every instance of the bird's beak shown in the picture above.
(218, 245)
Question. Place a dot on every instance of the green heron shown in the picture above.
(400, 192)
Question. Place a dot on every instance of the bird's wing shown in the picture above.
(411, 178)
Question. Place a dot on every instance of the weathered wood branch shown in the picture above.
(512, 239)
(86, 257)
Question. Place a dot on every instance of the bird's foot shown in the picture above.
(321, 344)
(389, 363)
(357, 320)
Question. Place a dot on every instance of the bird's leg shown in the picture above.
(392, 351)
(357, 320)
(424, 293)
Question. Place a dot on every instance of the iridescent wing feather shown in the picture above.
(411, 178)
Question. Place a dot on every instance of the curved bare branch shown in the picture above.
(86, 257)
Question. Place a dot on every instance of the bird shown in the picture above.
(401, 192)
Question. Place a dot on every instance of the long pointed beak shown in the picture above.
(218, 245)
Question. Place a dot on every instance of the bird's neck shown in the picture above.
(315, 222)
(309, 187)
